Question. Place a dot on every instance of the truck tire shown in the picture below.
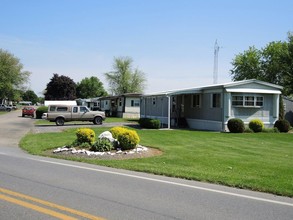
(59, 121)
(98, 120)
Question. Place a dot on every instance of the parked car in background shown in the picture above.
(5, 108)
(28, 111)
(13, 107)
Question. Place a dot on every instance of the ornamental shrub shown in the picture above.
(128, 139)
(282, 125)
(40, 111)
(256, 125)
(149, 123)
(117, 131)
(236, 125)
(85, 135)
(102, 145)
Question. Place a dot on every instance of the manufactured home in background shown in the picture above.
(288, 109)
(123, 106)
(92, 103)
(210, 107)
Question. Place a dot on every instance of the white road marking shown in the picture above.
(169, 182)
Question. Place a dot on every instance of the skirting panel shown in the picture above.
(204, 124)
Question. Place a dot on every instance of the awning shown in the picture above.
(263, 91)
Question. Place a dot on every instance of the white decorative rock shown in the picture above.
(137, 150)
(107, 135)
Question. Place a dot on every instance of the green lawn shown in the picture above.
(257, 161)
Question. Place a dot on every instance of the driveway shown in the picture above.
(13, 127)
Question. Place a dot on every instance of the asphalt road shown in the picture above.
(33, 187)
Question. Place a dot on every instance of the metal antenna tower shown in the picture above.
(216, 53)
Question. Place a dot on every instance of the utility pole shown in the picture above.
(216, 53)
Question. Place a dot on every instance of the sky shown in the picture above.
(171, 41)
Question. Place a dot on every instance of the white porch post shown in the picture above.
(169, 112)
(276, 106)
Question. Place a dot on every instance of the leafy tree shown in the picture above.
(12, 76)
(60, 88)
(247, 65)
(273, 63)
(288, 75)
(41, 99)
(30, 95)
(124, 79)
(90, 88)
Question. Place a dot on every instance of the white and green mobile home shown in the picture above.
(210, 107)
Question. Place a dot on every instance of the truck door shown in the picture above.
(83, 113)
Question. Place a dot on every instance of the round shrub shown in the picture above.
(256, 125)
(282, 125)
(40, 111)
(149, 123)
(236, 125)
(85, 135)
(117, 131)
(128, 139)
(102, 145)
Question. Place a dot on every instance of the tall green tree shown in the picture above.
(60, 88)
(273, 64)
(125, 79)
(30, 95)
(288, 75)
(90, 88)
(12, 76)
(247, 65)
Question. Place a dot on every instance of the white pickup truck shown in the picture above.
(64, 113)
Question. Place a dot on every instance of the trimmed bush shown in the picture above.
(85, 135)
(236, 125)
(256, 125)
(117, 131)
(40, 111)
(102, 145)
(282, 125)
(149, 123)
(128, 139)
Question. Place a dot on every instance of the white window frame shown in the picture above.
(135, 103)
(248, 101)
